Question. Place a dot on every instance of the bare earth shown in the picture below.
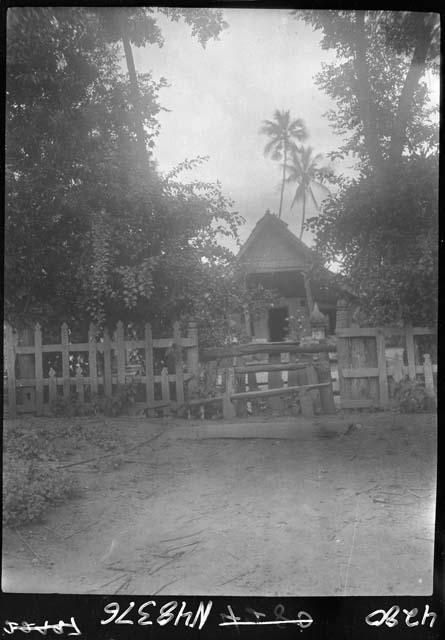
(279, 507)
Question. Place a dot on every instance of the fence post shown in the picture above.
(410, 353)
(179, 372)
(65, 360)
(38, 369)
(92, 358)
(193, 355)
(229, 411)
(149, 370)
(10, 368)
(275, 381)
(326, 393)
(341, 322)
(165, 387)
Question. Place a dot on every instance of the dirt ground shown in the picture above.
(278, 507)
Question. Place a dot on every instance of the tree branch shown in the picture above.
(415, 72)
(140, 133)
(366, 103)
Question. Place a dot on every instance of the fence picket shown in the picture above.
(120, 352)
(356, 370)
(10, 368)
(108, 383)
(429, 379)
(65, 360)
(92, 358)
(179, 371)
(193, 355)
(38, 368)
(165, 387)
(79, 384)
(52, 386)
(149, 370)
(397, 371)
(383, 374)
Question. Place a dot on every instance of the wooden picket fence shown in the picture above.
(160, 392)
(367, 375)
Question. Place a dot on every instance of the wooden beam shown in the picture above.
(233, 350)
(361, 372)
(260, 368)
(357, 332)
(357, 404)
(277, 392)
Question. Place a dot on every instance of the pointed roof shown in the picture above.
(272, 246)
(271, 223)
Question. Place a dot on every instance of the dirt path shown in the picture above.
(302, 510)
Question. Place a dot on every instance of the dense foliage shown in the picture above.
(35, 449)
(389, 250)
(381, 227)
(93, 231)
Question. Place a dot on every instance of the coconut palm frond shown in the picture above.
(269, 147)
(282, 132)
(303, 170)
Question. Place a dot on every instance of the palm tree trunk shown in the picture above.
(284, 179)
(140, 134)
(303, 216)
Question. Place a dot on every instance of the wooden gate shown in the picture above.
(368, 367)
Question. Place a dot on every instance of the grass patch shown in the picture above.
(33, 450)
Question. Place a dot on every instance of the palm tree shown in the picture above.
(283, 132)
(303, 170)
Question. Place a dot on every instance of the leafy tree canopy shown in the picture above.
(381, 227)
(377, 81)
(91, 232)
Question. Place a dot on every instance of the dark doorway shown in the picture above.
(278, 324)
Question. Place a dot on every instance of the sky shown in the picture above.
(218, 97)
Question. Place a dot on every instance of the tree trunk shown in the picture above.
(415, 72)
(140, 133)
(303, 215)
(284, 180)
(366, 103)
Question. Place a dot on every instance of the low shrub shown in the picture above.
(31, 480)
(29, 488)
(411, 397)
(100, 404)
(118, 404)
(69, 407)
